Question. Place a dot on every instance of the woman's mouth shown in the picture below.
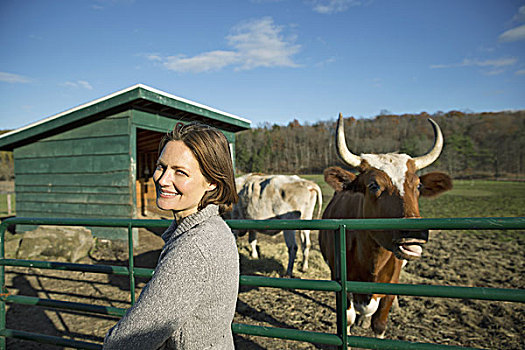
(168, 194)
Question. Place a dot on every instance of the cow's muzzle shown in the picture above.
(408, 245)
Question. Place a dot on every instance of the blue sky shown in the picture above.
(265, 60)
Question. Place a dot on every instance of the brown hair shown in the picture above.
(212, 151)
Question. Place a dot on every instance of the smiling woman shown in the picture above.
(190, 301)
(178, 180)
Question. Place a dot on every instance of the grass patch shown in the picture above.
(328, 191)
(468, 198)
(477, 199)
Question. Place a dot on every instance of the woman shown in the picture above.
(189, 302)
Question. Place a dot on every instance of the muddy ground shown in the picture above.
(458, 258)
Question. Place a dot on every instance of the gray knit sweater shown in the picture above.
(190, 301)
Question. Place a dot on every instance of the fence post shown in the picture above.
(131, 263)
(3, 290)
(9, 204)
(340, 276)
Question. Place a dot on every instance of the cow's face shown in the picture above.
(390, 186)
(385, 196)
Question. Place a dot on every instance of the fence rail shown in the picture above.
(340, 339)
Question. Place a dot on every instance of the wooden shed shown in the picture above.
(96, 160)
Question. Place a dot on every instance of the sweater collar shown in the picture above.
(190, 221)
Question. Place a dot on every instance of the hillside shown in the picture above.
(486, 145)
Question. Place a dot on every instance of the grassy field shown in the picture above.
(468, 198)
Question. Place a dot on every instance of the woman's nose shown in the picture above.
(165, 178)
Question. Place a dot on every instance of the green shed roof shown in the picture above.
(139, 97)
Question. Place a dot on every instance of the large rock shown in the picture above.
(62, 243)
(11, 246)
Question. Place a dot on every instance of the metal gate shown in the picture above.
(340, 286)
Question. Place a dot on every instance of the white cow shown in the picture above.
(263, 197)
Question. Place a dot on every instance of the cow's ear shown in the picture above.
(337, 177)
(435, 183)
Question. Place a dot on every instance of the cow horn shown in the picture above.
(343, 151)
(433, 154)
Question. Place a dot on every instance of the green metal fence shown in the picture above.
(339, 286)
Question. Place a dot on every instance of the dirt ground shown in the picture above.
(451, 258)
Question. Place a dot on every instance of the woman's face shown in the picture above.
(178, 180)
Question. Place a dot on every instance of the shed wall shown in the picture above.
(90, 171)
(83, 172)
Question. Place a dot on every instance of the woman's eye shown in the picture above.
(180, 172)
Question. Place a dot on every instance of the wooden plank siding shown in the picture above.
(84, 172)
(163, 124)
(153, 122)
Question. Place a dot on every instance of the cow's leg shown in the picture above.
(291, 244)
(305, 247)
(379, 319)
(252, 239)
(365, 306)
(395, 304)
(350, 313)
(363, 321)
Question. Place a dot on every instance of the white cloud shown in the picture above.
(514, 34)
(495, 72)
(520, 72)
(326, 62)
(208, 61)
(78, 84)
(467, 62)
(259, 43)
(13, 78)
(502, 62)
(255, 43)
(154, 57)
(85, 84)
(520, 16)
(328, 7)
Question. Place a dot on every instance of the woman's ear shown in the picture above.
(211, 187)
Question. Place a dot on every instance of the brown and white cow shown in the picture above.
(386, 186)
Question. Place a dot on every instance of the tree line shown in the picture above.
(477, 145)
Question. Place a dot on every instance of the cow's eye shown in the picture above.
(420, 187)
(373, 187)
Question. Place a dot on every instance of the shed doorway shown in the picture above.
(147, 152)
